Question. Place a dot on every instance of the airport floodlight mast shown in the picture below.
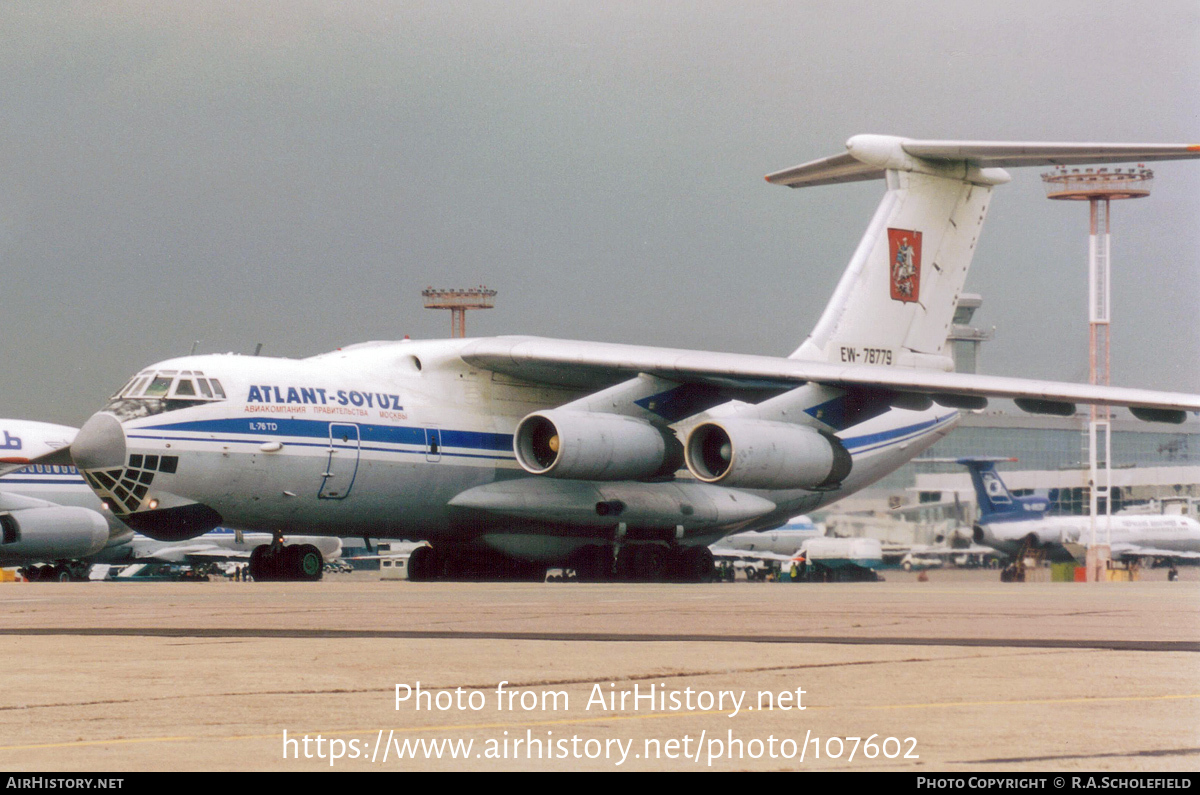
(458, 302)
(1099, 186)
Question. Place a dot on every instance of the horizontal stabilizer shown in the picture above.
(826, 171)
(1007, 154)
(871, 156)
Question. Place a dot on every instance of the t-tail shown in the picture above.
(996, 502)
(896, 300)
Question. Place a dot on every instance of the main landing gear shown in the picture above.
(644, 562)
(277, 562)
(429, 564)
(631, 562)
(63, 571)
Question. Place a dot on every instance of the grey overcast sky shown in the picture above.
(294, 173)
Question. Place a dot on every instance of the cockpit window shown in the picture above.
(155, 392)
(158, 387)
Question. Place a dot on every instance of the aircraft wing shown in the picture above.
(951, 552)
(203, 551)
(1133, 551)
(742, 554)
(594, 365)
(216, 556)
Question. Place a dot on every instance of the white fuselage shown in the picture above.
(377, 439)
(1170, 533)
(785, 540)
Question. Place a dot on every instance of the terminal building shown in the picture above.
(1150, 461)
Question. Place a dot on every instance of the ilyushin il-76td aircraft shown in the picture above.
(620, 461)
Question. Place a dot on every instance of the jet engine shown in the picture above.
(757, 454)
(584, 445)
(51, 533)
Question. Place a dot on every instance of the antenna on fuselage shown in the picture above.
(192, 352)
(258, 349)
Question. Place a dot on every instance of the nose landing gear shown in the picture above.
(276, 562)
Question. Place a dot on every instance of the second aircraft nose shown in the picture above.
(100, 443)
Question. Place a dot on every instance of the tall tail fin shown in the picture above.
(895, 302)
(996, 502)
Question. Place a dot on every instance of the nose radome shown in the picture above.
(100, 443)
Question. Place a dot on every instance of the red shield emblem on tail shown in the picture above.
(904, 254)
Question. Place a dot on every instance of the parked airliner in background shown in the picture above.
(803, 543)
(1011, 524)
(783, 540)
(221, 545)
(538, 452)
(48, 514)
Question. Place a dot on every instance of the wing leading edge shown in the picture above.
(595, 364)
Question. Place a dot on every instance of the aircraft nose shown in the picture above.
(100, 443)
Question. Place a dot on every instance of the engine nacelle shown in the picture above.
(46, 534)
(584, 445)
(757, 454)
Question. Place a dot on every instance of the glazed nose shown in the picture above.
(100, 443)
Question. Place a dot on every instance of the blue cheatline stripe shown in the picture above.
(864, 443)
(458, 439)
(63, 480)
(383, 434)
(421, 450)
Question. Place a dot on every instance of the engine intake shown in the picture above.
(585, 445)
(757, 454)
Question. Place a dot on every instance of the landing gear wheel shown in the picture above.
(301, 562)
(592, 564)
(641, 563)
(626, 564)
(262, 563)
(425, 564)
(696, 565)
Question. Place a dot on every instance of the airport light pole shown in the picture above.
(1099, 186)
(458, 302)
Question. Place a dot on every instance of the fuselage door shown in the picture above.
(433, 444)
(341, 465)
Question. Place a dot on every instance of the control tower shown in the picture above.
(458, 302)
(964, 338)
